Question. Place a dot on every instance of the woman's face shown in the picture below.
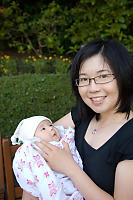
(101, 98)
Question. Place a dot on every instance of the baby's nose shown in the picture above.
(50, 128)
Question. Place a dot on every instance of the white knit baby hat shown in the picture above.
(26, 129)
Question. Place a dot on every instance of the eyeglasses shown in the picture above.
(103, 78)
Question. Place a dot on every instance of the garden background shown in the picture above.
(38, 40)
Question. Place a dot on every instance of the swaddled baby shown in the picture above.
(32, 171)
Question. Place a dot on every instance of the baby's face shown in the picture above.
(47, 132)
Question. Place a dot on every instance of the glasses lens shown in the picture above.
(82, 82)
(104, 78)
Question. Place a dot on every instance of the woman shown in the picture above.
(102, 80)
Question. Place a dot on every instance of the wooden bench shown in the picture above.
(2, 183)
(13, 191)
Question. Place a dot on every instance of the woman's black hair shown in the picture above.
(121, 64)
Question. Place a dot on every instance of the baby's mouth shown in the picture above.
(56, 137)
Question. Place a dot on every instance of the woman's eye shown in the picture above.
(83, 79)
(104, 75)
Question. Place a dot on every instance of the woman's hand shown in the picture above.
(27, 196)
(58, 159)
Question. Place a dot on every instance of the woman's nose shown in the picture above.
(93, 87)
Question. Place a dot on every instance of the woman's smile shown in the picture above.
(98, 100)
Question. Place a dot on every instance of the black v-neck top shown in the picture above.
(100, 164)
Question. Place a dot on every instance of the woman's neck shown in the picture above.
(112, 117)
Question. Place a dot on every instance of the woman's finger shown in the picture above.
(66, 146)
(45, 145)
(43, 154)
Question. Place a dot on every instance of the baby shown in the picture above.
(31, 170)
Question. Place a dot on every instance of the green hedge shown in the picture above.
(33, 94)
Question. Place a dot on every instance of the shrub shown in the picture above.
(33, 94)
(61, 65)
(8, 66)
(32, 64)
(63, 26)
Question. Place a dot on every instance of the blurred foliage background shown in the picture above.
(62, 27)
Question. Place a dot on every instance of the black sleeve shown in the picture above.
(122, 146)
(127, 150)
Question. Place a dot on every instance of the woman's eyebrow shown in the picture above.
(82, 74)
(103, 70)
